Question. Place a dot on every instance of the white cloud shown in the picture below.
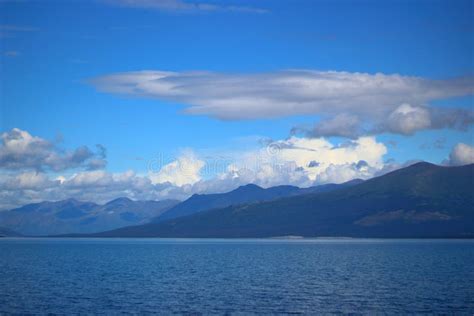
(407, 119)
(284, 93)
(20, 150)
(96, 178)
(98, 186)
(299, 161)
(305, 152)
(346, 172)
(27, 181)
(296, 161)
(182, 6)
(462, 154)
(185, 170)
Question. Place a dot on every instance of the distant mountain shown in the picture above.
(5, 232)
(422, 200)
(72, 216)
(245, 194)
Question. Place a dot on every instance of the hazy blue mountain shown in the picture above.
(245, 194)
(72, 216)
(5, 232)
(422, 200)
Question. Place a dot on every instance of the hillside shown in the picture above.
(249, 193)
(423, 200)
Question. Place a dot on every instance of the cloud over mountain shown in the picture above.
(35, 169)
(462, 154)
(184, 170)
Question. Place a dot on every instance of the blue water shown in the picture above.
(198, 276)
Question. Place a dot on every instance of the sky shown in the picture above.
(156, 99)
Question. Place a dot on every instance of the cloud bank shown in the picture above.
(404, 120)
(284, 93)
(20, 150)
(350, 104)
(34, 170)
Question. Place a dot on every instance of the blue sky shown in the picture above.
(52, 51)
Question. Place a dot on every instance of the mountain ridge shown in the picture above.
(71, 215)
(422, 200)
(244, 194)
(75, 216)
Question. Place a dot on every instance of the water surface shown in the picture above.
(212, 276)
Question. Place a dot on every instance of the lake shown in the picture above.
(235, 276)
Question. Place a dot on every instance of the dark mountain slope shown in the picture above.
(245, 194)
(422, 200)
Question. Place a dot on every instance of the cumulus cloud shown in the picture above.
(185, 170)
(296, 161)
(405, 120)
(462, 154)
(31, 180)
(303, 151)
(28, 161)
(98, 185)
(20, 150)
(284, 93)
(300, 161)
(408, 119)
(182, 6)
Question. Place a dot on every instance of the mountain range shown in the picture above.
(249, 193)
(73, 216)
(423, 200)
